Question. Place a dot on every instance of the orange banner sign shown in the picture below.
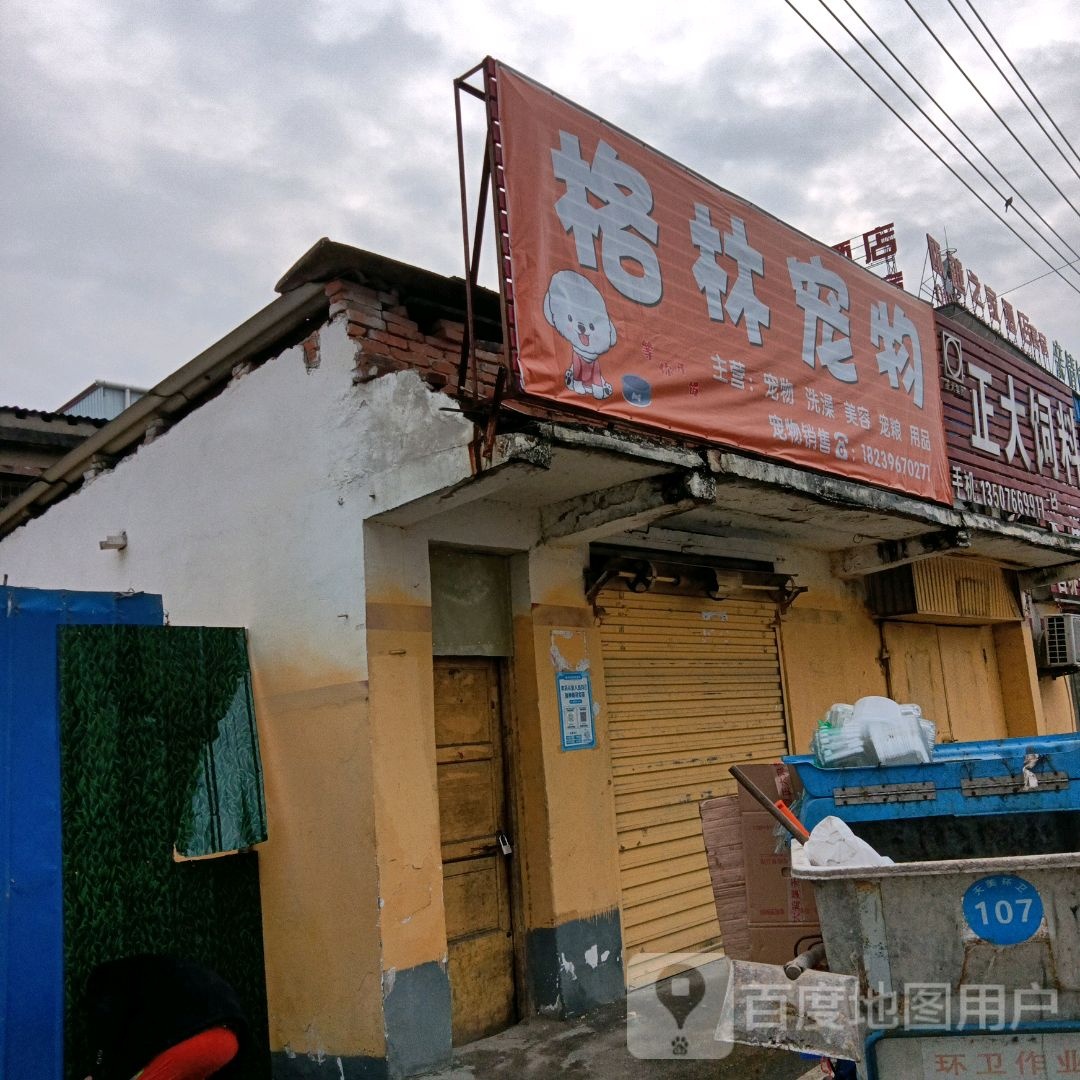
(640, 291)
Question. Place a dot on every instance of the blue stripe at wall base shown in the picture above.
(576, 966)
(416, 1017)
(416, 1014)
(290, 1066)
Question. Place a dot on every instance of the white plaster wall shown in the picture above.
(249, 511)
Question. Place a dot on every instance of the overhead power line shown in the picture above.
(1009, 184)
(881, 98)
(1009, 83)
(1031, 281)
(1016, 138)
(1038, 101)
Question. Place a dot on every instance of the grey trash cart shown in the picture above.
(962, 967)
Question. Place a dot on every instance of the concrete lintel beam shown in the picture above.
(632, 505)
(1049, 575)
(871, 558)
(515, 462)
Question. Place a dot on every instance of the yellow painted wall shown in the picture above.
(1057, 705)
(830, 646)
(1025, 712)
(565, 809)
(529, 784)
(566, 847)
(1054, 694)
(402, 725)
(831, 649)
(319, 894)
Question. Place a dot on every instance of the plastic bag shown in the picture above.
(873, 731)
(832, 843)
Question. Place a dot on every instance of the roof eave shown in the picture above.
(174, 394)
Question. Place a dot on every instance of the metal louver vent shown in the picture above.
(1061, 637)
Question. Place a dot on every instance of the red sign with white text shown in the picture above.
(639, 291)
(1011, 432)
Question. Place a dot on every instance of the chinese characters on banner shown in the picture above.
(639, 291)
(1011, 432)
(955, 285)
(878, 246)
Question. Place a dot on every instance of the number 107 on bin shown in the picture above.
(1003, 909)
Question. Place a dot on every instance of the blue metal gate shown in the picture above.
(31, 919)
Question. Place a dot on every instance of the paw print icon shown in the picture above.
(679, 1046)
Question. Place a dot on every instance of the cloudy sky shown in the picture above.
(164, 162)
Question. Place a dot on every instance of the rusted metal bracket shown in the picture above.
(980, 787)
(471, 244)
(493, 415)
(872, 558)
(874, 794)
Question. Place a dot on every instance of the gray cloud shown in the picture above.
(164, 163)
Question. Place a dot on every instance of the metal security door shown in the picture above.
(472, 819)
(693, 686)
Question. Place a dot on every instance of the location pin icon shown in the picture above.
(680, 991)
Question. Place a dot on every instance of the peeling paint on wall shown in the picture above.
(592, 957)
(318, 1053)
(569, 650)
(558, 661)
(567, 966)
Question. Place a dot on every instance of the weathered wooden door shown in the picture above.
(952, 672)
(473, 822)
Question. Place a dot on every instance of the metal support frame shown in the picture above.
(471, 245)
(716, 578)
(491, 184)
(872, 558)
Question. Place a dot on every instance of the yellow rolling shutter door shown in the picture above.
(693, 686)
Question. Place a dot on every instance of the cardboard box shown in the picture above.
(774, 779)
(778, 944)
(773, 896)
(721, 827)
(764, 912)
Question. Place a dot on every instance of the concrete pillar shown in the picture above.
(565, 804)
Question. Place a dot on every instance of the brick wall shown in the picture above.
(391, 341)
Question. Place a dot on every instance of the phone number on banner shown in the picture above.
(887, 461)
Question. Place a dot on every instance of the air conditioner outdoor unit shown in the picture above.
(1061, 642)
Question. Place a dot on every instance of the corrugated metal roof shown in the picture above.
(70, 420)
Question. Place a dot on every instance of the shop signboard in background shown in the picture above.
(1011, 433)
(952, 284)
(638, 291)
(875, 247)
(1067, 591)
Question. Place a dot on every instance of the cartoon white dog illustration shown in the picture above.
(576, 309)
